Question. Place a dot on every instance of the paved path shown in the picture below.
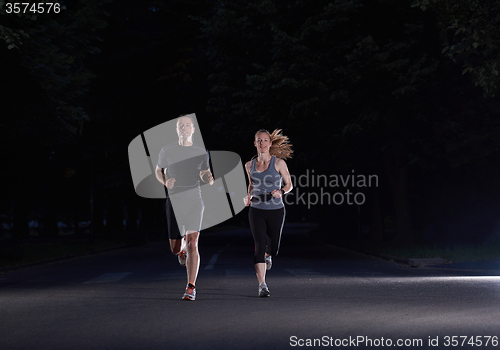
(130, 299)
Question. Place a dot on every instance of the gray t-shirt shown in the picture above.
(183, 163)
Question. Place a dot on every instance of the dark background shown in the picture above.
(405, 90)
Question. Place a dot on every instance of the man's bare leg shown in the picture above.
(175, 245)
(193, 256)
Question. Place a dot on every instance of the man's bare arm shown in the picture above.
(160, 176)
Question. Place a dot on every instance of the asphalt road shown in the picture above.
(320, 295)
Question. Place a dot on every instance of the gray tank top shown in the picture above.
(263, 183)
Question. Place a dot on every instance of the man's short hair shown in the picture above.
(185, 115)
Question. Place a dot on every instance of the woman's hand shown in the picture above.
(276, 193)
(247, 200)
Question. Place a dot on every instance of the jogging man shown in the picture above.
(180, 168)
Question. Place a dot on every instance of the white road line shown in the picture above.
(109, 277)
(214, 258)
(212, 261)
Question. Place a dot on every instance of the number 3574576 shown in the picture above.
(32, 8)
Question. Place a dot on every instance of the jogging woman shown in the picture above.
(267, 211)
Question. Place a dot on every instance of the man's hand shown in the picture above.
(170, 183)
(206, 176)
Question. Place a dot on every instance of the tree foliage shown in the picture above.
(53, 56)
(45, 76)
(365, 81)
(470, 37)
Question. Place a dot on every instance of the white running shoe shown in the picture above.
(263, 290)
(190, 293)
(269, 262)
(182, 256)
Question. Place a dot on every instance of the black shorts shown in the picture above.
(184, 214)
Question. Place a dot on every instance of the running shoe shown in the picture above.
(269, 262)
(263, 290)
(190, 293)
(182, 256)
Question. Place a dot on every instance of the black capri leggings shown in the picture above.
(266, 226)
